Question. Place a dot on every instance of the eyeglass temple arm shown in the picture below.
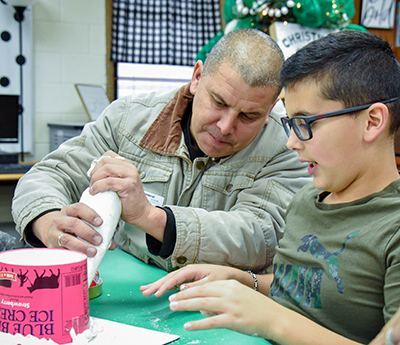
(347, 110)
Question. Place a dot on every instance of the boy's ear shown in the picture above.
(377, 121)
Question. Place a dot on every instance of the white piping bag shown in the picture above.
(108, 206)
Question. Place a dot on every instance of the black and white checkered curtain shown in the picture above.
(162, 31)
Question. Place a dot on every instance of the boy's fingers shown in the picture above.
(196, 283)
(159, 287)
(203, 291)
(207, 304)
(150, 289)
(206, 323)
(170, 282)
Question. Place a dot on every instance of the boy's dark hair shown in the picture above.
(350, 66)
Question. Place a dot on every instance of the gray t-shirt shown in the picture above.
(339, 264)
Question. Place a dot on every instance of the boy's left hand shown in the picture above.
(233, 305)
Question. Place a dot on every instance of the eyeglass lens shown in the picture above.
(301, 127)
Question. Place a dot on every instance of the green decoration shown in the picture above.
(260, 14)
(356, 27)
(228, 12)
(202, 54)
(309, 13)
(250, 22)
(333, 14)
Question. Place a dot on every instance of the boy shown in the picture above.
(336, 272)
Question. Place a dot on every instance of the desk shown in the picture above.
(13, 177)
(10, 177)
(122, 301)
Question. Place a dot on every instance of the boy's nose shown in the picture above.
(293, 142)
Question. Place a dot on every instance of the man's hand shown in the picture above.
(113, 172)
(62, 229)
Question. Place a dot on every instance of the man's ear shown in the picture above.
(377, 122)
(270, 109)
(196, 76)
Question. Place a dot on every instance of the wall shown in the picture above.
(69, 46)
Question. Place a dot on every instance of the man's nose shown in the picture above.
(227, 123)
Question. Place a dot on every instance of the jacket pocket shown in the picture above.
(155, 177)
(221, 191)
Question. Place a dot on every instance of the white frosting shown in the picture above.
(108, 206)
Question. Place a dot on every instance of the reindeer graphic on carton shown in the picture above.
(42, 281)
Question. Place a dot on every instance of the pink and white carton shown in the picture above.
(43, 292)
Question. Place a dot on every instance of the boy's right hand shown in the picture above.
(194, 274)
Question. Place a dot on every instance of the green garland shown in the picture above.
(260, 14)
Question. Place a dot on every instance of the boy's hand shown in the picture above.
(196, 274)
(233, 305)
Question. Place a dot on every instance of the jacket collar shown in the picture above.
(165, 133)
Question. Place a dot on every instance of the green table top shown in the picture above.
(122, 301)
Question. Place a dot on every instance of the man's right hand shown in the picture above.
(66, 229)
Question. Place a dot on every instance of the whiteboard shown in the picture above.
(94, 99)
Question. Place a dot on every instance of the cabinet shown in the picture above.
(60, 132)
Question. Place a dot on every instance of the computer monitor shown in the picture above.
(9, 118)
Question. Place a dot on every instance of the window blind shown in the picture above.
(162, 31)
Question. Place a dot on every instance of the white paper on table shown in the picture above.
(120, 333)
(108, 332)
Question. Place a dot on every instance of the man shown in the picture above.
(206, 175)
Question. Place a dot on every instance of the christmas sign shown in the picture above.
(291, 37)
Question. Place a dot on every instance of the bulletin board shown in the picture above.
(379, 14)
(94, 99)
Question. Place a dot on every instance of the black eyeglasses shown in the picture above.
(302, 124)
